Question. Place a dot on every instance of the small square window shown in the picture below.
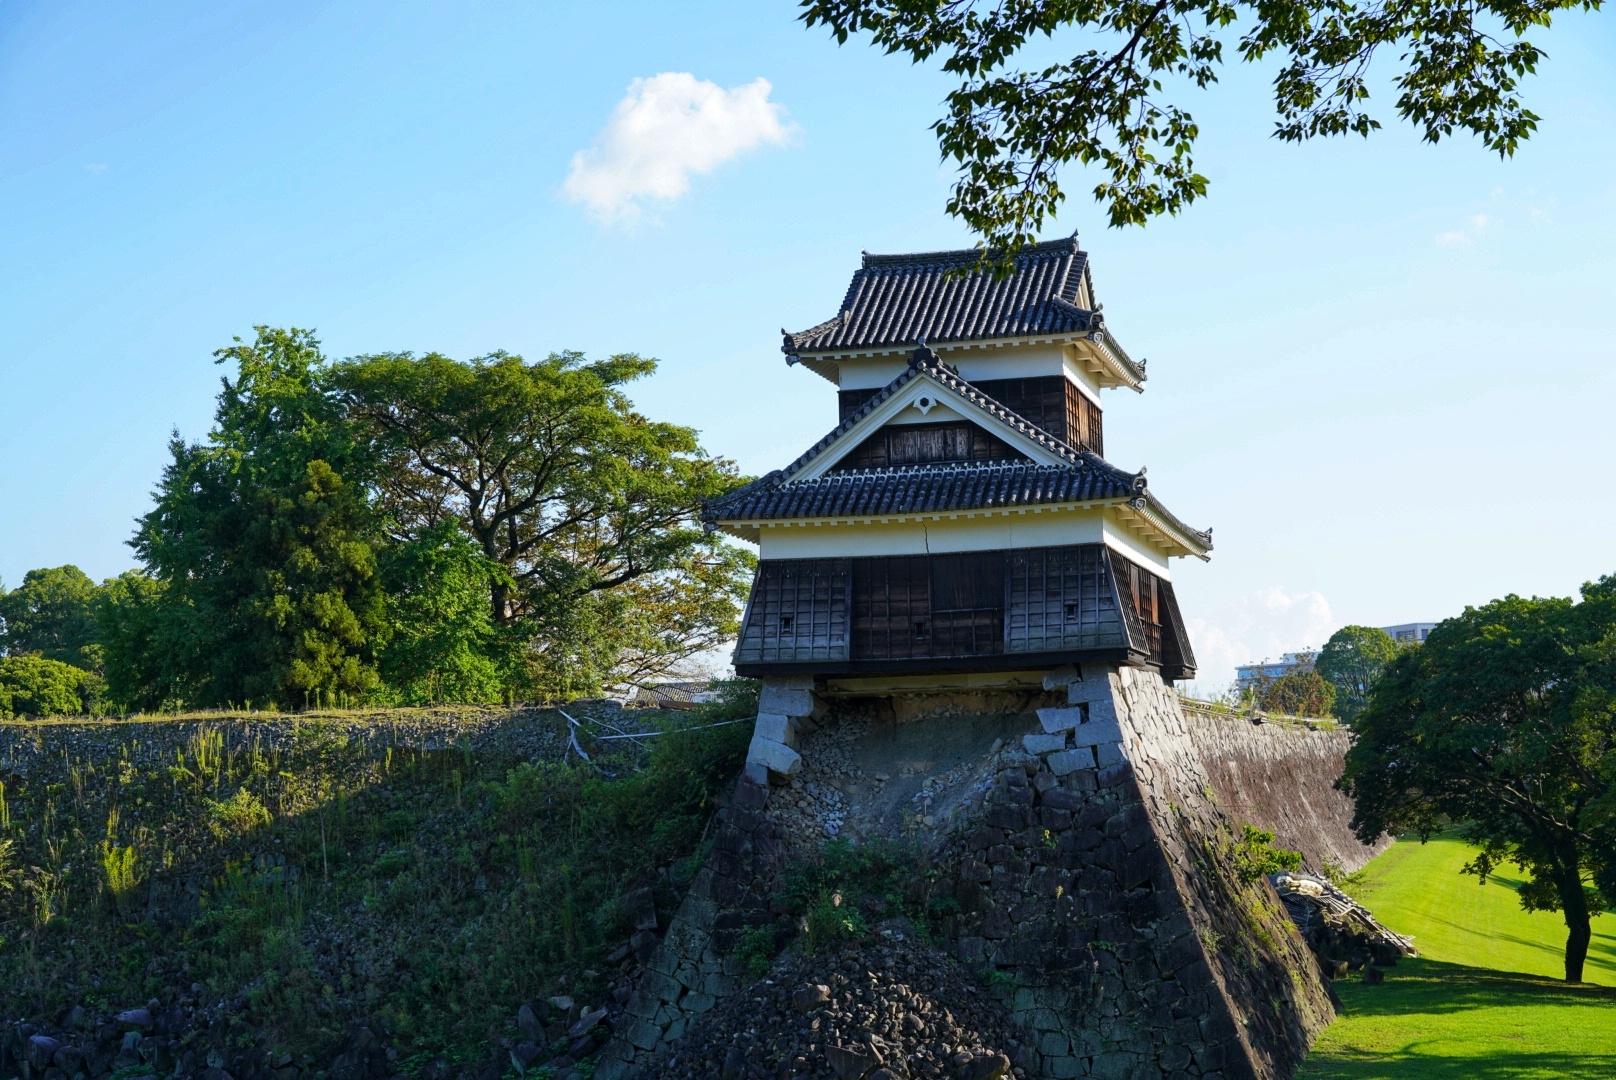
(786, 622)
(1071, 612)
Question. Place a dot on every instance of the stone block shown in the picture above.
(1108, 754)
(786, 701)
(778, 758)
(1059, 799)
(660, 986)
(776, 727)
(1068, 761)
(1043, 744)
(1056, 721)
(642, 1034)
(696, 1002)
(1097, 731)
(1052, 1043)
(1097, 687)
(789, 682)
(1065, 675)
(1063, 1068)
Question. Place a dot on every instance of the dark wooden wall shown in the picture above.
(934, 608)
(923, 444)
(1051, 402)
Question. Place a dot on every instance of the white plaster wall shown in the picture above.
(1008, 362)
(1049, 528)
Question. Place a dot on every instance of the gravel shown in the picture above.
(893, 1008)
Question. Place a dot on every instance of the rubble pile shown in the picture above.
(1341, 932)
(890, 1009)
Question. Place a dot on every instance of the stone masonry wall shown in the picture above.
(1102, 881)
(1094, 873)
(1281, 777)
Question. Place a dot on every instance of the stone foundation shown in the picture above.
(1083, 841)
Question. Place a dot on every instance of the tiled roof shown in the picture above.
(1081, 476)
(924, 361)
(919, 490)
(905, 299)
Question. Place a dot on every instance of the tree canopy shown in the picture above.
(584, 511)
(1351, 661)
(1503, 725)
(1116, 102)
(52, 613)
(1299, 693)
(260, 539)
(408, 529)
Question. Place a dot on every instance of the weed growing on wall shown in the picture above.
(310, 881)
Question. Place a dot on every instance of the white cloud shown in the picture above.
(1480, 222)
(1262, 625)
(1454, 237)
(99, 166)
(666, 129)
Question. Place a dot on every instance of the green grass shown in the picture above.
(1436, 1021)
(1417, 889)
(1485, 1000)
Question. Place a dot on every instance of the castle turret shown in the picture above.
(961, 516)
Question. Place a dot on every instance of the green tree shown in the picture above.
(52, 613)
(1352, 660)
(1010, 125)
(1503, 723)
(149, 641)
(1300, 693)
(35, 686)
(262, 539)
(588, 507)
(443, 644)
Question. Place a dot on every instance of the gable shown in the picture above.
(925, 388)
(943, 442)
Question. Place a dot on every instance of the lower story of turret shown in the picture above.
(972, 611)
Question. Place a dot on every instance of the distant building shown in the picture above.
(1406, 633)
(1248, 675)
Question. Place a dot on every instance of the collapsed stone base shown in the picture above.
(1092, 871)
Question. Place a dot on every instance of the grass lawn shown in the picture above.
(1417, 889)
(1485, 1000)
(1435, 1021)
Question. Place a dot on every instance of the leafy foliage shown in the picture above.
(52, 613)
(1300, 693)
(1113, 103)
(34, 686)
(1255, 855)
(407, 530)
(261, 539)
(1504, 721)
(1351, 661)
(587, 507)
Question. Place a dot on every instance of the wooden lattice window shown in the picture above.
(798, 612)
(1061, 598)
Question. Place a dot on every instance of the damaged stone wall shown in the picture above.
(1091, 859)
(1281, 777)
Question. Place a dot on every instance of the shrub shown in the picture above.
(1301, 693)
(34, 686)
(237, 815)
(1255, 855)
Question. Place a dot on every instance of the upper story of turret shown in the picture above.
(1034, 340)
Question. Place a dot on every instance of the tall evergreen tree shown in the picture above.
(262, 539)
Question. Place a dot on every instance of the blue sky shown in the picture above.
(1381, 370)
